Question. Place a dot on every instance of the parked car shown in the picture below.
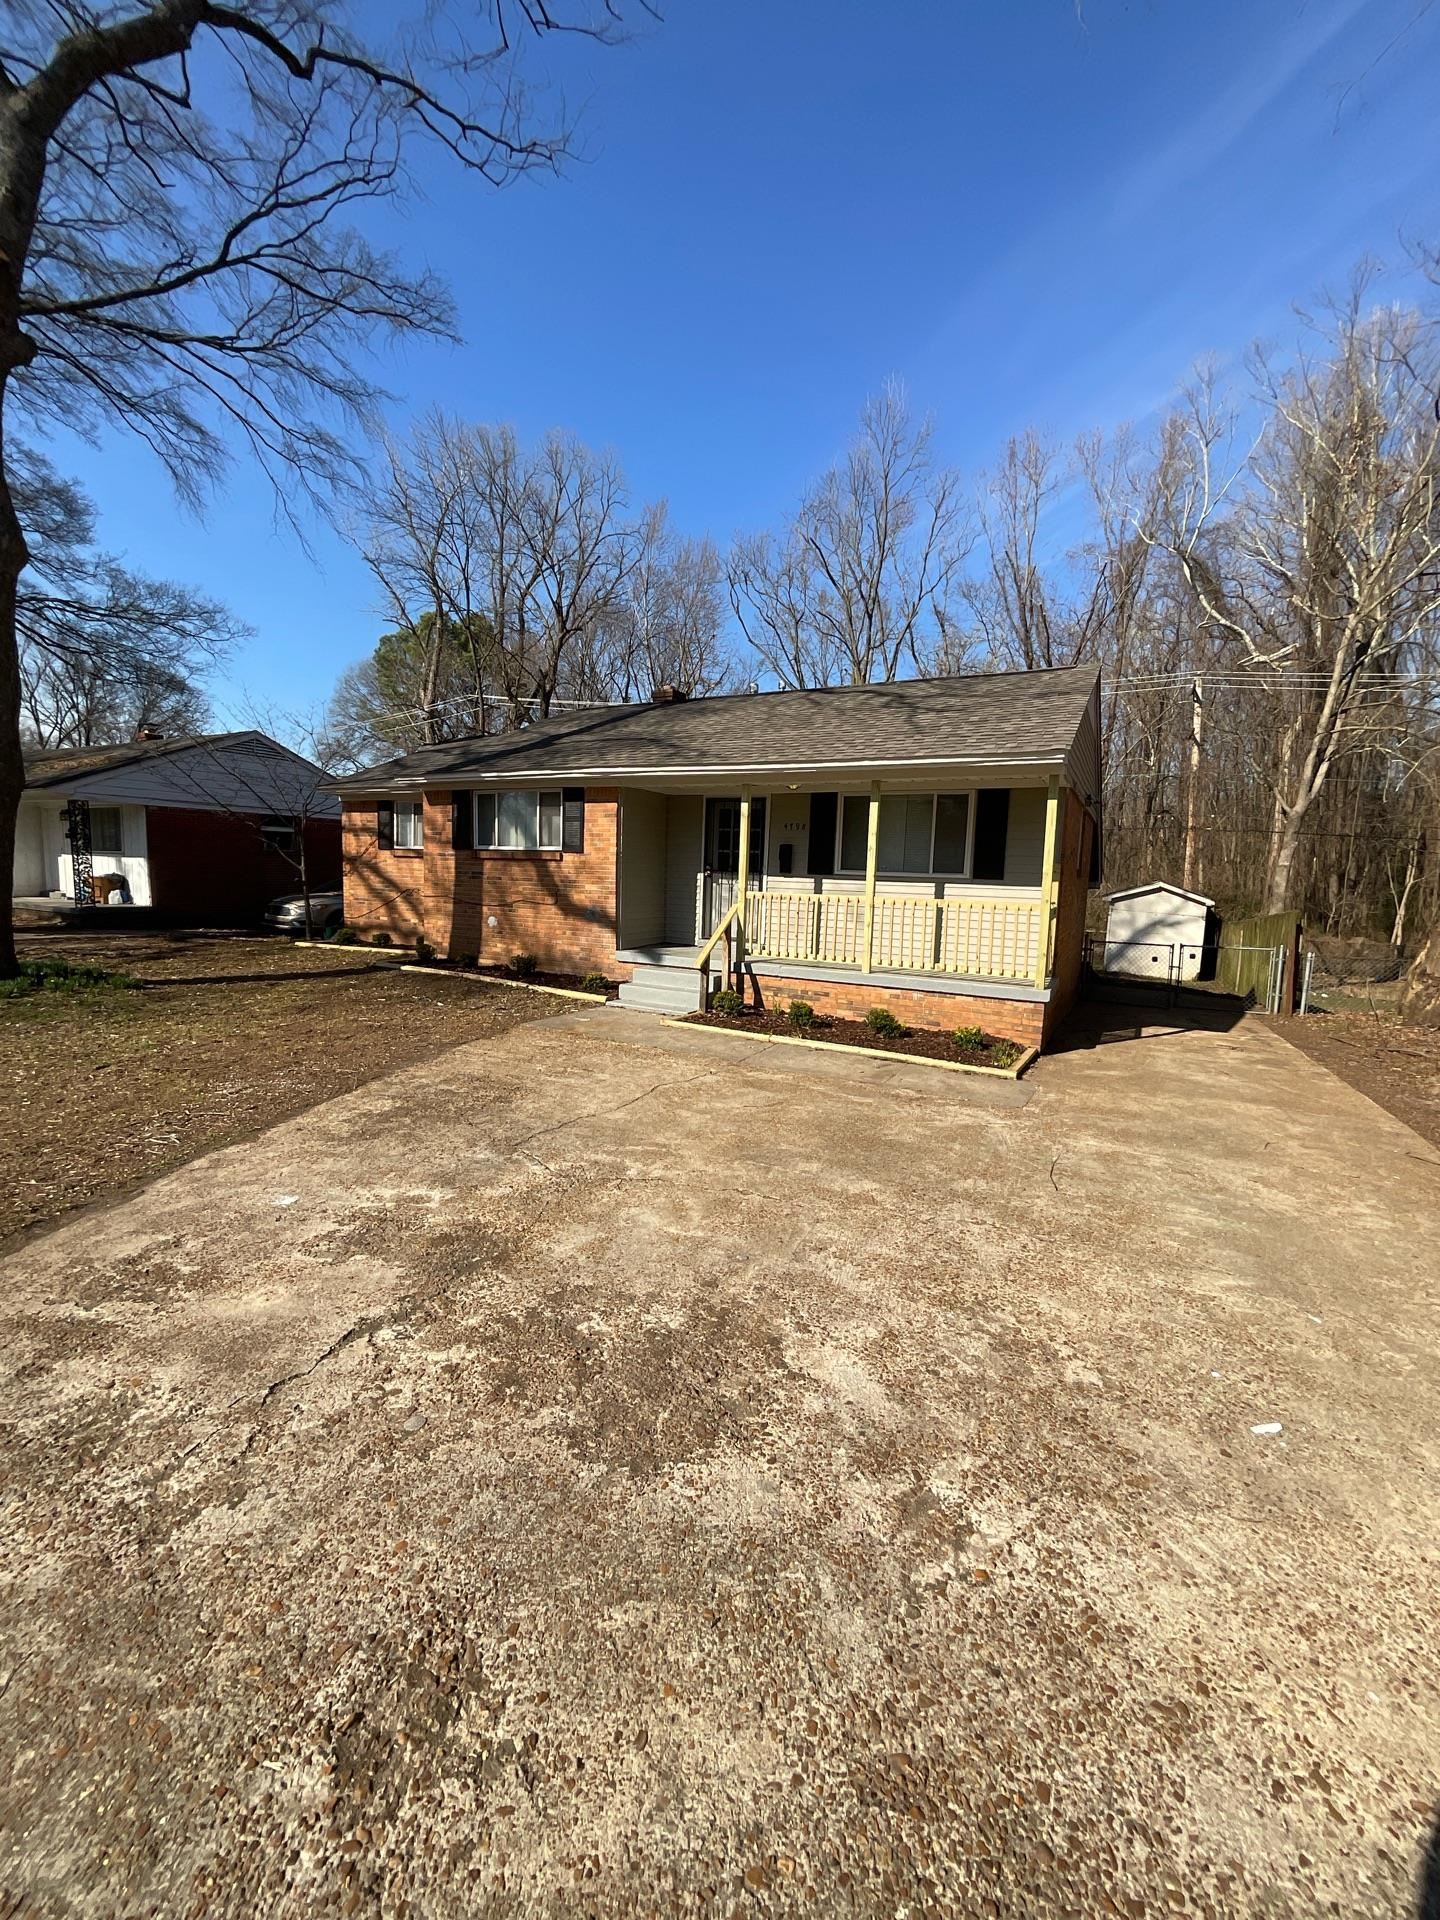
(286, 913)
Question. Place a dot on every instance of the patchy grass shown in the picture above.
(60, 976)
(106, 1085)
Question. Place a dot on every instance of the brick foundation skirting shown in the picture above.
(1018, 1020)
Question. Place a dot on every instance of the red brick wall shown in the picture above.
(1018, 1020)
(558, 906)
(384, 888)
(214, 867)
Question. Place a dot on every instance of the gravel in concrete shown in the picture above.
(600, 1471)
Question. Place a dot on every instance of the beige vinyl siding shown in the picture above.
(684, 854)
(1025, 837)
(643, 836)
(1082, 762)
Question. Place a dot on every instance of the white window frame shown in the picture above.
(411, 810)
(494, 795)
(115, 852)
(888, 873)
(278, 834)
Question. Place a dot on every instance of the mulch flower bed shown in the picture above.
(926, 1043)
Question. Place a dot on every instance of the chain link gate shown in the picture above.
(1167, 974)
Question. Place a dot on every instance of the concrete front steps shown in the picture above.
(663, 980)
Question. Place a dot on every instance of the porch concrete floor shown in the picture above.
(606, 1472)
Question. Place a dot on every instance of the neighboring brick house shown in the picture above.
(204, 827)
(924, 844)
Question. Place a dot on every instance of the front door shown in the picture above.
(722, 857)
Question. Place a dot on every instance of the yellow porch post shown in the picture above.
(742, 873)
(1047, 885)
(872, 849)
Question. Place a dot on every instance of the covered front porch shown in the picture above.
(948, 891)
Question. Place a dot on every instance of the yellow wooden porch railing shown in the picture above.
(910, 933)
(722, 932)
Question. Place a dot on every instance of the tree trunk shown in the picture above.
(1190, 864)
(1282, 861)
(13, 557)
(1421, 1002)
(1402, 900)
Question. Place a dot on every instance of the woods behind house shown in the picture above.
(1258, 575)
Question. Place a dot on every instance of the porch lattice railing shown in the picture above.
(913, 933)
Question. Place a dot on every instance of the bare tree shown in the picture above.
(425, 542)
(529, 549)
(859, 582)
(103, 651)
(578, 546)
(668, 628)
(1327, 579)
(189, 274)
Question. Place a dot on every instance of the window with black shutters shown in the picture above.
(919, 833)
(530, 820)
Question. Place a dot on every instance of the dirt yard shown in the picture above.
(1396, 1065)
(102, 1091)
(598, 1472)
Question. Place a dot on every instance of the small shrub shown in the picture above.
(523, 965)
(595, 983)
(727, 1001)
(1005, 1053)
(424, 952)
(467, 960)
(800, 1014)
(381, 939)
(343, 937)
(881, 1020)
(969, 1037)
(61, 976)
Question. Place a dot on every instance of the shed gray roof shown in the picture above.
(989, 718)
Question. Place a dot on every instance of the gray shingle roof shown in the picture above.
(994, 717)
(53, 766)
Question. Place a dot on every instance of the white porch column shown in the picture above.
(872, 851)
(1047, 885)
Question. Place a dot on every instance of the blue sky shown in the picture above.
(1032, 212)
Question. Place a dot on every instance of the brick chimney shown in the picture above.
(667, 696)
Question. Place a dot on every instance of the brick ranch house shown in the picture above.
(199, 827)
(925, 845)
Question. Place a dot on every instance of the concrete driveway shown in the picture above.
(617, 1470)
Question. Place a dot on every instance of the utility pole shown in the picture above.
(1191, 876)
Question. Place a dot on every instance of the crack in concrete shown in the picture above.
(576, 1119)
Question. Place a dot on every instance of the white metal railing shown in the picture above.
(911, 933)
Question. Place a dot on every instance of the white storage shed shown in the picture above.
(1157, 932)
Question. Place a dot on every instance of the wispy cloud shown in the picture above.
(1164, 174)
